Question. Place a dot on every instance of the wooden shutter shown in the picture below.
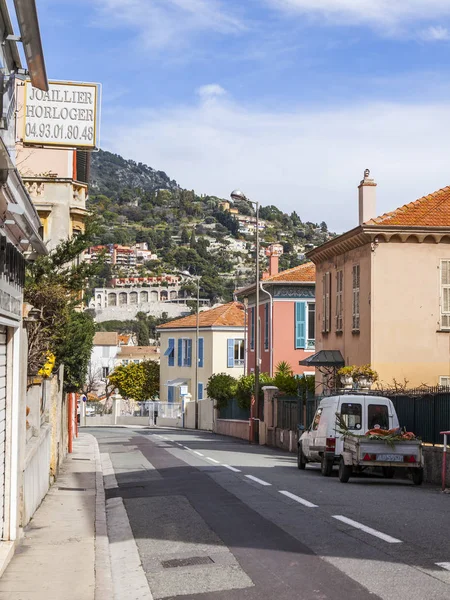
(300, 325)
(230, 353)
(189, 353)
(180, 352)
(324, 301)
(252, 329)
(200, 352)
(170, 393)
(266, 326)
(445, 294)
(327, 301)
(171, 354)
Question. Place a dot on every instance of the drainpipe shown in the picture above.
(271, 328)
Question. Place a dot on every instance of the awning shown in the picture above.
(324, 358)
(177, 382)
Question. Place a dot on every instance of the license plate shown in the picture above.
(390, 457)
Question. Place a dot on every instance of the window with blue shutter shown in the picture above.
(180, 352)
(300, 324)
(170, 352)
(266, 326)
(200, 391)
(252, 328)
(189, 353)
(201, 345)
(230, 353)
(170, 393)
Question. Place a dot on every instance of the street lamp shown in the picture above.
(238, 195)
(197, 332)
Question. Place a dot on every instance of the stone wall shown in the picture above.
(156, 309)
(233, 428)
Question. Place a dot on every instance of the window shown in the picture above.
(125, 362)
(352, 415)
(136, 361)
(266, 326)
(326, 304)
(105, 351)
(200, 391)
(444, 381)
(184, 352)
(201, 351)
(170, 352)
(105, 372)
(310, 343)
(235, 353)
(378, 416)
(355, 305)
(339, 300)
(445, 294)
(316, 420)
(252, 328)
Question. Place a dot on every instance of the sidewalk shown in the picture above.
(57, 558)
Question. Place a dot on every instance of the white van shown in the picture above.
(323, 443)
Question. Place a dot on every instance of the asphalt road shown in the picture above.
(200, 516)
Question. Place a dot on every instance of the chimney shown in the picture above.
(274, 251)
(367, 198)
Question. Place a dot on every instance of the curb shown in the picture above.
(103, 576)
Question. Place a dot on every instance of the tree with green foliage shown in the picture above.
(76, 349)
(137, 381)
(185, 238)
(221, 388)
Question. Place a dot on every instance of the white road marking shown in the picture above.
(258, 480)
(369, 530)
(444, 565)
(199, 453)
(164, 438)
(186, 447)
(213, 460)
(299, 500)
(178, 444)
(232, 468)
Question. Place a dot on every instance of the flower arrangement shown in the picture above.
(346, 371)
(47, 369)
(358, 373)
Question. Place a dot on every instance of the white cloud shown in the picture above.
(165, 23)
(307, 160)
(211, 90)
(392, 15)
(435, 34)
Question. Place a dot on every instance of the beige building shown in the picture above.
(383, 290)
(221, 349)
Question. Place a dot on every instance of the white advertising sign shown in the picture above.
(65, 116)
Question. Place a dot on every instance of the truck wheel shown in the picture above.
(417, 476)
(326, 466)
(301, 460)
(344, 471)
(388, 472)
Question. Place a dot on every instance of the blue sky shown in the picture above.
(289, 100)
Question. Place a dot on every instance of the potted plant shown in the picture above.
(346, 376)
(364, 376)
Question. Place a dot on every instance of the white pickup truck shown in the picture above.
(324, 441)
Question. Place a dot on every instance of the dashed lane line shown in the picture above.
(257, 480)
(213, 460)
(444, 565)
(198, 453)
(382, 536)
(298, 499)
(232, 469)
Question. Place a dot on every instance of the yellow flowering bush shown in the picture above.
(47, 369)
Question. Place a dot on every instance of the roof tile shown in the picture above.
(226, 315)
(305, 273)
(432, 210)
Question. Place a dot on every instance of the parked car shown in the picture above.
(323, 443)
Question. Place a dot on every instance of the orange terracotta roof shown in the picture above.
(105, 338)
(138, 351)
(227, 315)
(432, 210)
(305, 273)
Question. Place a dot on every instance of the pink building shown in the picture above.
(287, 317)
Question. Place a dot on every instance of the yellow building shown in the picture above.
(220, 349)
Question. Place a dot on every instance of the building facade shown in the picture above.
(383, 290)
(286, 315)
(220, 349)
(19, 238)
